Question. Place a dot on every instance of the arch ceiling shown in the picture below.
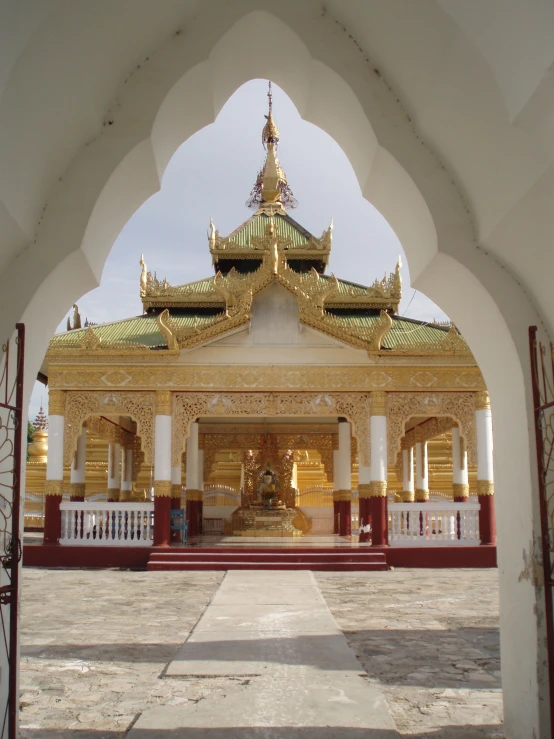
(444, 108)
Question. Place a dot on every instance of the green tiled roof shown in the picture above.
(140, 330)
(256, 226)
(347, 288)
(406, 333)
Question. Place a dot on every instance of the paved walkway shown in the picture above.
(99, 647)
(303, 678)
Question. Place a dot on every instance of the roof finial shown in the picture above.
(271, 188)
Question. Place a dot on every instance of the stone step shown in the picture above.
(221, 564)
(264, 559)
(269, 557)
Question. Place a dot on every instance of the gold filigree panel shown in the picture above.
(458, 406)
(248, 377)
(81, 406)
(189, 406)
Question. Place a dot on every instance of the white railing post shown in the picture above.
(434, 524)
(94, 525)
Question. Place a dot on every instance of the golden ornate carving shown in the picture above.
(485, 487)
(176, 490)
(339, 495)
(458, 406)
(378, 404)
(56, 403)
(138, 457)
(77, 489)
(364, 490)
(114, 494)
(53, 487)
(90, 341)
(421, 495)
(162, 488)
(164, 324)
(163, 403)
(428, 430)
(212, 443)
(82, 405)
(377, 489)
(197, 495)
(408, 496)
(188, 406)
(460, 490)
(482, 401)
(361, 378)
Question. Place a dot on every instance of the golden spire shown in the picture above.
(271, 190)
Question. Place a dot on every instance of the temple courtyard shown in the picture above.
(114, 653)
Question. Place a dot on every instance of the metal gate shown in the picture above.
(542, 374)
(11, 448)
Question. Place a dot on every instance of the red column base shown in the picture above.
(162, 508)
(345, 509)
(52, 519)
(365, 518)
(487, 519)
(336, 517)
(175, 535)
(379, 533)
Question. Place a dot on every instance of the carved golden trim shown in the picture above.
(189, 406)
(195, 495)
(377, 489)
(460, 490)
(176, 490)
(163, 403)
(485, 487)
(378, 404)
(341, 495)
(162, 488)
(80, 406)
(421, 496)
(359, 378)
(53, 487)
(113, 494)
(56, 403)
(77, 489)
(407, 496)
(459, 406)
(482, 401)
(427, 430)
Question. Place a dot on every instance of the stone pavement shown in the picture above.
(96, 643)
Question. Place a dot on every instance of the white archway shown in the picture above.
(179, 89)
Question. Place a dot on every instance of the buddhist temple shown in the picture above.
(270, 400)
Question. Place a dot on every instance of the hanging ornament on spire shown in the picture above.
(271, 190)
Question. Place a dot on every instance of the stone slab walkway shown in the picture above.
(275, 629)
(96, 646)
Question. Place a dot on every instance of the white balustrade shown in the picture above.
(433, 524)
(107, 524)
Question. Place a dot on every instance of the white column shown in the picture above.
(126, 472)
(201, 470)
(78, 466)
(379, 461)
(162, 451)
(114, 454)
(343, 464)
(422, 472)
(193, 458)
(483, 429)
(56, 421)
(408, 486)
(460, 482)
(176, 481)
(54, 467)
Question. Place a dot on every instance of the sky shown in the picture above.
(210, 176)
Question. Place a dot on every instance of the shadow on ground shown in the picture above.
(384, 653)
